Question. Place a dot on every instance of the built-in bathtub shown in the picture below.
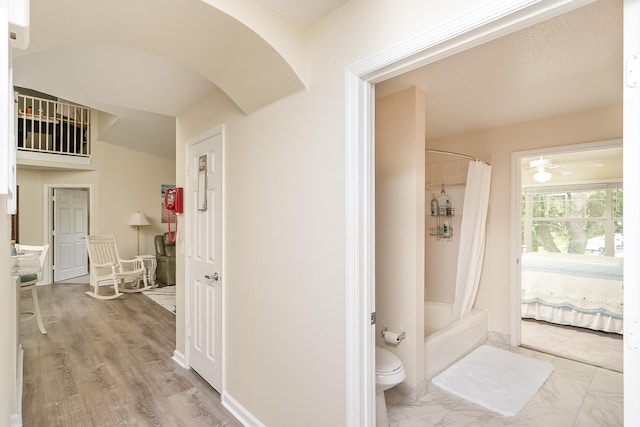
(446, 342)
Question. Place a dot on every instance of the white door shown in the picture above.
(204, 258)
(631, 144)
(70, 221)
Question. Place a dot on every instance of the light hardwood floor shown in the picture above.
(107, 363)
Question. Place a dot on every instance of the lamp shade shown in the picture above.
(138, 219)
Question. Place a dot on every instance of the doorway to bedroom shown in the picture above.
(572, 252)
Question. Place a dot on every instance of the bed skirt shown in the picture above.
(572, 317)
(578, 290)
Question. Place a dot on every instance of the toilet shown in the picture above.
(389, 373)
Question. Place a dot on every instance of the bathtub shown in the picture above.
(445, 342)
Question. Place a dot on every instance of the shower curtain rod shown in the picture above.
(451, 153)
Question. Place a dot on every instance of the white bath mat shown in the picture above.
(499, 380)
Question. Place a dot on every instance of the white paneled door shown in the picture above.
(70, 227)
(204, 260)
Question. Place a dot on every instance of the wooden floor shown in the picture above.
(107, 363)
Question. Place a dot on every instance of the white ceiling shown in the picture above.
(305, 12)
(577, 167)
(566, 64)
(147, 68)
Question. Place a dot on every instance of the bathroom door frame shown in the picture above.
(516, 218)
(480, 25)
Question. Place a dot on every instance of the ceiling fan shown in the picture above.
(545, 167)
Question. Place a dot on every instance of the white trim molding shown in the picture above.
(489, 21)
(237, 410)
(360, 271)
(631, 137)
(516, 221)
(180, 359)
(183, 359)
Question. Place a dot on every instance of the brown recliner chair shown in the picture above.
(166, 257)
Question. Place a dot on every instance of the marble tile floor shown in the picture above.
(575, 395)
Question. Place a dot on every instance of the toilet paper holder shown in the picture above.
(392, 337)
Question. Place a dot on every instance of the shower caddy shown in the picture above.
(442, 210)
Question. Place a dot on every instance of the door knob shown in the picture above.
(213, 276)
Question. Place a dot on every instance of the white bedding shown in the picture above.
(577, 290)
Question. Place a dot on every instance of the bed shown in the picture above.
(577, 290)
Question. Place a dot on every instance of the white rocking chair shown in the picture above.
(106, 268)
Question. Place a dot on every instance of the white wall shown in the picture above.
(400, 227)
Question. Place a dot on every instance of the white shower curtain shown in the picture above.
(472, 238)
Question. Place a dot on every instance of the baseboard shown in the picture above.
(413, 392)
(499, 338)
(16, 420)
(421, 390)
(237, 410)
(180, 359)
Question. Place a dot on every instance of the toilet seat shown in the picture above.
(389, 369)
(386, 361)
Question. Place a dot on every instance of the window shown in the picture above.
(577, 219)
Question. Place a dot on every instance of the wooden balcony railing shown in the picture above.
(53, 127)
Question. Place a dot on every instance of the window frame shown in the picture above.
(609, 218)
